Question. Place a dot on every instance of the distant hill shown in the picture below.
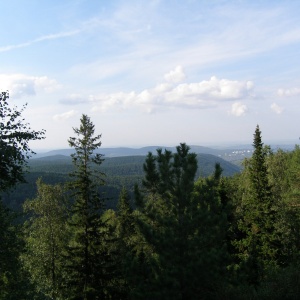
(124, 151)
(126, 165)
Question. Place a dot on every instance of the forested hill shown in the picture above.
(120, 171)
(126, 165)
(126, 151)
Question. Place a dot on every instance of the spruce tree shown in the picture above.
(258, 243)
(87, 256)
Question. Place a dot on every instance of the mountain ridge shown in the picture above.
(127, 151)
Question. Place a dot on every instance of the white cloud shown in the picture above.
(65, 116)
(203, 94)
(238, 109)
(175, 75)
(20, 85)
(288, 92)
(276, 108)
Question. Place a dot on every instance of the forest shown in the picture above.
(167, 232)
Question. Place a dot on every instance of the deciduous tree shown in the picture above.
(15, 135)
(46, 235)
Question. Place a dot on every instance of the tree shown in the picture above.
(209, 253)
(15, 135)
(87, 256)
(46, 235)
(258, 244)
(183, 227)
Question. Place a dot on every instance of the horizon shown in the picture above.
(233, 145)
(155, 72)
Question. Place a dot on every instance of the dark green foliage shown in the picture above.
(120, 171)
(15, 135)
(126, 238)
(258, 243)
(14, 138)
(88, 260)
(211, 257)
(183, 229)
(9, 252)
(14, 282)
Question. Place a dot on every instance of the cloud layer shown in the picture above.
(172, 94)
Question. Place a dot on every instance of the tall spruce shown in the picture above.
(86, 252)
(258, 245)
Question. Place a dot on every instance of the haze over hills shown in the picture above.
(230, 153)
(127, 151)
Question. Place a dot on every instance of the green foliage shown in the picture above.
(15, 135)
(8, 254)
(120, 172)
(183, 226)
(258, 243)
(88, 261)
(45, 235)
(213, 238)
(14, 282)
(14, 138)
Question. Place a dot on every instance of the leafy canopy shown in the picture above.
(15, 135)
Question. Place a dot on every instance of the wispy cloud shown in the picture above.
(276, 108)
(64, 116)
(74, 99)
(40, 39)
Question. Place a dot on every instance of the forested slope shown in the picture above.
(120, 171)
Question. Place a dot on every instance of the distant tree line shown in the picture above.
(177, 237)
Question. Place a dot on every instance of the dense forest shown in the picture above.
(173, 232)
(125, 171)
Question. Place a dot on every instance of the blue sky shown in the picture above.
(154, 72)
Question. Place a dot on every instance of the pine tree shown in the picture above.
(167, 224)
(208, 248)
(87, 259)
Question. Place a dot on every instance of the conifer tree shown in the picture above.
(126, 241)
(209, 253)
(168, 224)
(258, 245)
(87, 255)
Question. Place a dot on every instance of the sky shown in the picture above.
(155, 72)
